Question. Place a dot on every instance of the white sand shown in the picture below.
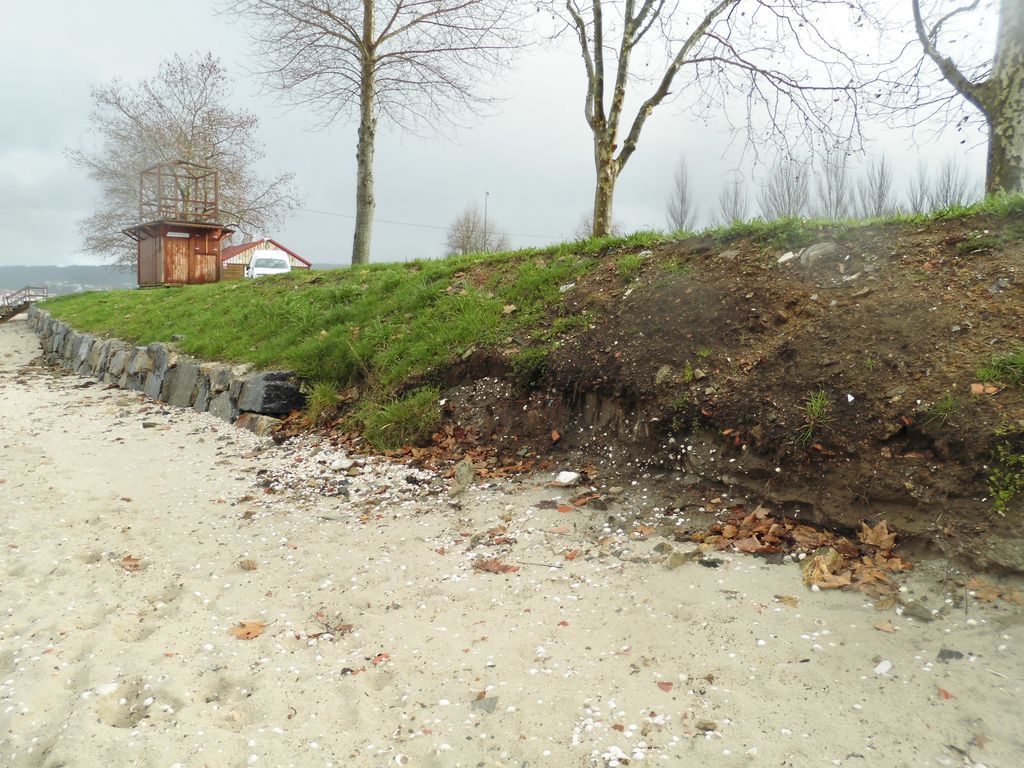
(103, 666)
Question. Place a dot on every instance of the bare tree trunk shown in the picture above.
(1000, 97)
(364, 147)
(1004, 101)
(604, 191)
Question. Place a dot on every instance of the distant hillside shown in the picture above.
(62, 280)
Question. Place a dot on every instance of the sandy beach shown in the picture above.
(177, 592)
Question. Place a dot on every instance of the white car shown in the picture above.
(267, 265)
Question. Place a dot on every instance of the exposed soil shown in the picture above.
(701, 368)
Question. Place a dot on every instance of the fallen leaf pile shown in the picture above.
(833, 562)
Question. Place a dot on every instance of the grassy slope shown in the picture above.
(381, 326)
(375, 327)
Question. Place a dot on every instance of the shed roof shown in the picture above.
(234, 250)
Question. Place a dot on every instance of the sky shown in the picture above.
(530, 159)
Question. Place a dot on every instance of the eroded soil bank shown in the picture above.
(177, 592)
(841, 381)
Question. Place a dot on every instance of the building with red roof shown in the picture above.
(236, 258)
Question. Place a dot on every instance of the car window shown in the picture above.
(270, 264)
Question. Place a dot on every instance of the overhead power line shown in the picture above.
(549, 238)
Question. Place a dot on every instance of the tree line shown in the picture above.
(825, 188)
(421, 65)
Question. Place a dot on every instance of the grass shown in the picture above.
(1006, 368)
(1006, 472)
(408, 420)
(791, 233)
(817, 408)
(529, 366)
(376, 327)
(321, 400)
(943, 409)
(629, 266)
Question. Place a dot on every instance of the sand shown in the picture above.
(125, 526)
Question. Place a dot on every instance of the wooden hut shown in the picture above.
(236, 258)
(179, 238)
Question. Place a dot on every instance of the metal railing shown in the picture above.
(13, 303)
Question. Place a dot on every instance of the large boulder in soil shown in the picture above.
(271, 393)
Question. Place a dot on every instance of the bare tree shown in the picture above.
(992, 84)
(834, 186)
(682, 208)
(786, 192)
(733, 202)
(472, 233)
(874, 190)
(727, 48)
(179, 114)
(412, 63)
(950, 186)
(919, 190)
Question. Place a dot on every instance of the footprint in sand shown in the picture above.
(133, 629)
(129, 703)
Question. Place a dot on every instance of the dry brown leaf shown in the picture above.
(641, 532)
(749, 545)
(807, 537)
(879, 536)
(789, 600)
(247, 630)
(493, 565)
(884, 626)
(987, 595)
(665, 685)
(572, 554)
(944, 694)
(130, 563)
(564, 508)
(1013, 596)
(247, 565)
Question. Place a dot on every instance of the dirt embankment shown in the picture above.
(838, 381)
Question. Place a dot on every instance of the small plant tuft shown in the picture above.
(629, 266)
(409, 420)
(817, 409)
(943, 409)
(1006, 471)
(530, 366)
(1007, 368)
(322, 401)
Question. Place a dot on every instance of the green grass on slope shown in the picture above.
(792, 232)
(376, 326)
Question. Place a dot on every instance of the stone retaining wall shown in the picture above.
(253, 400)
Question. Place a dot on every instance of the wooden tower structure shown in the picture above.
(179, 238)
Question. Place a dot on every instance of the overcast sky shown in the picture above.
(533, 155)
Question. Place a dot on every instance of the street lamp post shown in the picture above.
(486, 196)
